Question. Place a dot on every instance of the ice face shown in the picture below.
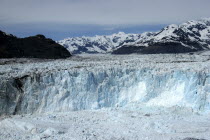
(113, 82)
(78, 90)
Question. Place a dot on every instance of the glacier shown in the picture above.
(89, 83)
(105, 97)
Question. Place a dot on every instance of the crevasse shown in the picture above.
(71, 90)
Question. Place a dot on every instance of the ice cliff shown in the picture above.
(90, 83)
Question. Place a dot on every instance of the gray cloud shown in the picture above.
(102, 12)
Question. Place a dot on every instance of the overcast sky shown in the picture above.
(107, 14)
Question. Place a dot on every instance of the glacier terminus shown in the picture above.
(158, 93)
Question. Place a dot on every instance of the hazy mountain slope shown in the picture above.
(33, 47)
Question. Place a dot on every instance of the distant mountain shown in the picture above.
(98, 44)
(187, 37)
(30, 47)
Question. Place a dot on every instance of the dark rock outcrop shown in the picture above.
(193, 139)
(128, 49)
(30, 47)
(157, 48)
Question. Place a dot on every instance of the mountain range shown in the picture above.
(190, 36)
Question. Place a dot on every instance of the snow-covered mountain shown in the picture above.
(187, 37)
(97, 44)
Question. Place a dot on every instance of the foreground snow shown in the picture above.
(108, 124)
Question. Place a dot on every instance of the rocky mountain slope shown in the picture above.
(33, 47)
(187, 37)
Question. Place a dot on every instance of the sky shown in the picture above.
(58, 19)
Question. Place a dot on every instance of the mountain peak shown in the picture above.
(120, 33)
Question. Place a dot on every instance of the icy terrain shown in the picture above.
(106, 97)
(105, 124)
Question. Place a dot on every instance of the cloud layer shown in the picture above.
(102, 12)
